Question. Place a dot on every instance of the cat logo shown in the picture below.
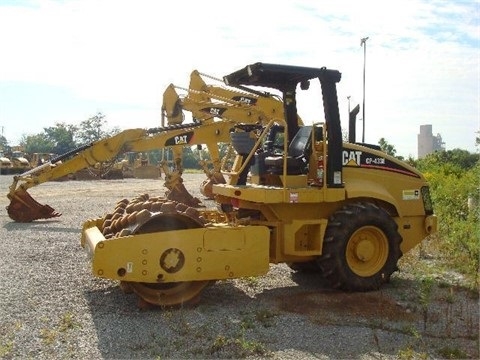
(181, 139)
(214, 111)
(245, 99)
(351, 157)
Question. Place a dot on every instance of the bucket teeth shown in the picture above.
(23, 208)
(180, 194)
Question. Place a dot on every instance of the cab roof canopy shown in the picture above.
(281, 77)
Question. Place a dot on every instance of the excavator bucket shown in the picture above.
(24, 208)
(180, 193)
(206, 188)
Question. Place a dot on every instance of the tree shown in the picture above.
(93, 129)
(189, 160)
(456, 160)
(38, 143)
(386, 147)
(3, 143)
(62, 137)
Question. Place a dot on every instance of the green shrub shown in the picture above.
(454, 184)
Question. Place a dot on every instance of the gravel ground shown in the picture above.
(51, 307)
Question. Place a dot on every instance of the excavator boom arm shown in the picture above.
(23, 208)
(206, 103)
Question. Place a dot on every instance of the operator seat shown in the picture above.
(298, 154)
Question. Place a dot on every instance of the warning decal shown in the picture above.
(411, 194)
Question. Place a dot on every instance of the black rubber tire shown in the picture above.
(305, 267)
(342, 261)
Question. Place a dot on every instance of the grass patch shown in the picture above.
(234, 348)
(65, 323)
(240, 346)
(5, 348)
(452, 353)
(265, 317)
(7, 335)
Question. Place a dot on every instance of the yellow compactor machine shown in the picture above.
(294, 194)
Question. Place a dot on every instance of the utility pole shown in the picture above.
(363, 42)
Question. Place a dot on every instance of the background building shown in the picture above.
(427, 142)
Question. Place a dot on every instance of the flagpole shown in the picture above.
(363, 42)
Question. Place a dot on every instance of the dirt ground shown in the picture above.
(283, 314)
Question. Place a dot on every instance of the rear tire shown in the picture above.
(361, 248)
(305, 267)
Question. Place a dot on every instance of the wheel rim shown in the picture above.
(367, 251)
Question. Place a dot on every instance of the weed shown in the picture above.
(406, 354)
(425, 298)
(48, 336)
(239, 346)
(444, 284)
(219, 343)
(5, 348)
(411, 330)
(7, 334)
(450, 298)
(251, 347)
(265, 317)
(236, 348)
(452, 353)
(409, 353)
(416, 342)
(67, 322)
(247, 323)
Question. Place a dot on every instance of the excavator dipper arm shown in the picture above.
(24, 208)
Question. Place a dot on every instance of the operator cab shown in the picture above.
(298, 155)
(286, 79)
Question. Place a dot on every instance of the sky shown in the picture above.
(65, 61)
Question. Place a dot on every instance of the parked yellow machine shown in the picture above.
(37, 159)
(138, 165)
(19, 161)
(13, 161)
(5, 164)
(295, 194)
